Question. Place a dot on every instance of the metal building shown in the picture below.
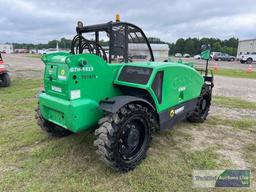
(6, 48)
(246, 47)
(140, 51)
(160, 51)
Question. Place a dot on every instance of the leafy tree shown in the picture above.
(189, 45)
(216, 46)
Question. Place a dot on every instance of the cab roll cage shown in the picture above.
(108, 28)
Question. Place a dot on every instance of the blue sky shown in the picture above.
(31, 21)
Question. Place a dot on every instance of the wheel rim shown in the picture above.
(133, 138)
(204, 103)
(249, 61)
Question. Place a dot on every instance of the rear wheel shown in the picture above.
(5, 80)
(123, 137)
(49, 127)
(203, 106)
(249, 61)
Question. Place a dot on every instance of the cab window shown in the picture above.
(139, 75)
(158, 85)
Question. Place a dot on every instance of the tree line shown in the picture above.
(63, 44)
(189, 45)
(192, 46)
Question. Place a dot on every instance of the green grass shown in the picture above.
(245, 124)
(232, 102)
(205, 159)
(235, 73)
(32, 161)
(250, 155)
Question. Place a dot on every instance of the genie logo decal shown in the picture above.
(62, 72)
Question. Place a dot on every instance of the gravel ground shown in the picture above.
(221, 64)
(235, 87)
(22, 65)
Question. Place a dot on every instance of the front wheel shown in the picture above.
(123, 137)
(5, 80)
(203, 106)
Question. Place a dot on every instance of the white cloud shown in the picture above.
(40, 21)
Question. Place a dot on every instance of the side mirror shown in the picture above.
(205, 47)
(205, 52)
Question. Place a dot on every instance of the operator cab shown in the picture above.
(115, 42)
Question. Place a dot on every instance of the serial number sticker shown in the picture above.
(57, 89)
(75, 94)
(61, 77)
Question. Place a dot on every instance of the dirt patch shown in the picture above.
(228, 143)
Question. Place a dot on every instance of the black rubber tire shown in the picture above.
(5, 80)
(249, 61)
(49, 127)
(112, 130)
(241, 61)
(200, 115)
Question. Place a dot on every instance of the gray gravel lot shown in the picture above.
(24, 66)
(235, 87)
(221, 64)
(20, 65)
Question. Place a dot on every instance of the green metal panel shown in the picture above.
(77, 115)
(75, 84)
(181, 83)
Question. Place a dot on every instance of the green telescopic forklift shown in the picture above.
(99, 87)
